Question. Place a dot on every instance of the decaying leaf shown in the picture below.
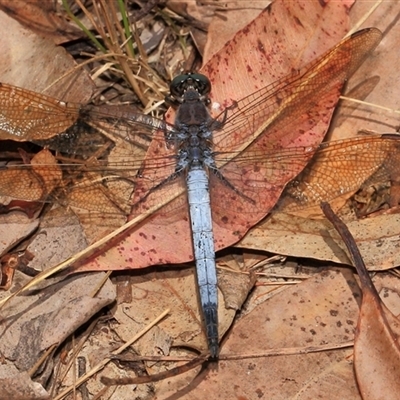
(290, 112)
(336, 172)
(301, 376)
(376, 347)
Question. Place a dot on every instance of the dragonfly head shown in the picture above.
(195, 82)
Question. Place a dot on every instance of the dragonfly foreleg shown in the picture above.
(168, 179)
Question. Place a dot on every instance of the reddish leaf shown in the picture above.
(289, 127)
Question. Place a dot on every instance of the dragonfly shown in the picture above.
(200, 162)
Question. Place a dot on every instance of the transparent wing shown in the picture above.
(266, 140)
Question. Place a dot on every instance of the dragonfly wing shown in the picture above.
(275, 132)
(293, 97)
(26, 115)
(341, 168)
(337, 169)
(102, 149)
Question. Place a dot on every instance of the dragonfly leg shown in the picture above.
(230, 185)
(168, 179)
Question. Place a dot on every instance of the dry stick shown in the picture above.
(89, 250)
(351, 245)
(113, 44)
(41, 360)
(75, 351)
(369, 104)
(203, 357)
(104, 362)
(357, 25)
(102, 282)
(287, 351)
(283, 351)
(81, 65)
(157, 377)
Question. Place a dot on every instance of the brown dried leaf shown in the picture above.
(155, 292)
(377, 350)
(56, 227)
(33, 62)
(19, 385)
(13, 228)
(376, 347)
(227, 22)
(36, 322)
(320, 311)
(377, 238)
(42, 18)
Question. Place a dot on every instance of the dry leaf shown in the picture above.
(153, 293)
(377, 350)
(294, 236)
(19, 385)
(376, 347)
(151, 243)
(32, 324)
(33, 62)
(42, 18)
(13, 228)
(321, 311)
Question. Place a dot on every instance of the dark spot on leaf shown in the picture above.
(251, 367)
(260, 46)
(298, 22)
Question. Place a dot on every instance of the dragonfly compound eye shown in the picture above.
(182, 82)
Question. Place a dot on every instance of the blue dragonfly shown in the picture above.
(199, 155)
